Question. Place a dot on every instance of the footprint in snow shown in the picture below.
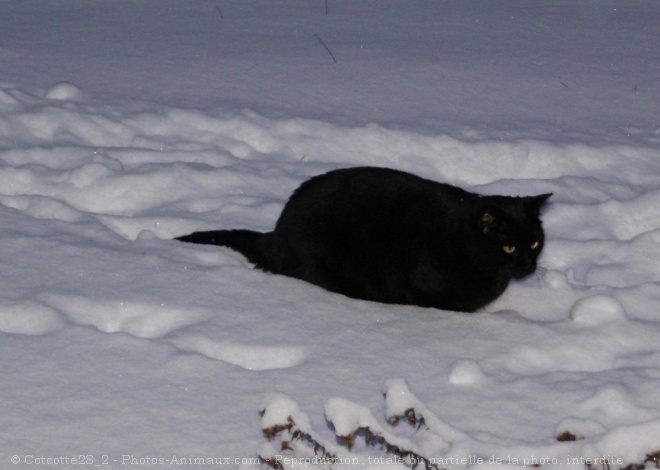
(28, 318)
(249, 357)
(149, 321)
(597, 310)
(114, 316)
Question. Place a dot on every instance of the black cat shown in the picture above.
(388, 236)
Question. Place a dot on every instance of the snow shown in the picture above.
(596, 310)
(466, 371)
(124, 124)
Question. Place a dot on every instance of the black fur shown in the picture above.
(388, 236)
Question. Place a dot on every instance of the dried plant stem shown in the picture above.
(326, 47)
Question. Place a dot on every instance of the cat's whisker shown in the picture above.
(539, 275)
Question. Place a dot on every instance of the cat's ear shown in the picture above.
(536, 202)
(487, 221)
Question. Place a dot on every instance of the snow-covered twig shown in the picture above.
(283, 420)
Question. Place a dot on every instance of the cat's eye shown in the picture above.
(509, 249)
(535, 245)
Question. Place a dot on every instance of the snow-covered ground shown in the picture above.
(126, 123)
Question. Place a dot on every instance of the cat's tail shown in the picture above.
(243, 241)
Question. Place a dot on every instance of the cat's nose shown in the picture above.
(525, 270)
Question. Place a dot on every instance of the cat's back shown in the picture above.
(371, 209)
(360, 231)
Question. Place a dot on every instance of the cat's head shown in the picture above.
(510, 229)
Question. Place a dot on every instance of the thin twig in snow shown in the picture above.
(326, 48)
